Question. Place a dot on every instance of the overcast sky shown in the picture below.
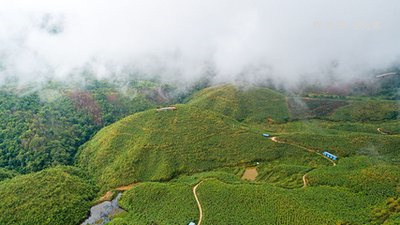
(183, 39)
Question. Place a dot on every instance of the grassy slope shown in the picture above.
(160, 145)
(343, 138)
(301, 108)
(262, 204)
(59, 195)
(367, 111)
(248, 105)
(360, 174)
(362, 110)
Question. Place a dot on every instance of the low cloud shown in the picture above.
(181, 41)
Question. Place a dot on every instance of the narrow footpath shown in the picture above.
(198, 202)
(275, 139)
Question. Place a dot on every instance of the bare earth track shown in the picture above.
(109, 194)
(198, 202)
(305, 180)
(381, 131)
(274, 139)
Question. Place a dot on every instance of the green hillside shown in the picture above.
(359, 110)
(157, 146)
(215, 139)
(249, 104)
(60, 195)
(347, 199)
(368, 111)
(362, 175)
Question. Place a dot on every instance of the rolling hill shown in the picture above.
(209, 143)
(156, 146)
(59, 195)
(245, 104)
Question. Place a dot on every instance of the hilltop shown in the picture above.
(260, 105)
(247, 104)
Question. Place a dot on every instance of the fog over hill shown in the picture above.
(181, 41)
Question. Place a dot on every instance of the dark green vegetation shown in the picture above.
(211, 139)
(60, 195)
(6, 174)
(45, 127)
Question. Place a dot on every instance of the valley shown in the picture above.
(206, 161)
(177, 112)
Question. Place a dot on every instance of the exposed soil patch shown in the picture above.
(106, 197)
(125, 188)
(109, 194)
(250, 174)
(381, 131)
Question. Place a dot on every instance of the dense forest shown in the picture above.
(43, 127)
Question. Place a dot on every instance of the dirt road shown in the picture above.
(198, 202)
(305, 180)
(275, 139)
(381, 131)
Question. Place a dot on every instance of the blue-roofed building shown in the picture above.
(265, 135)
(329, 155)
(192, 223)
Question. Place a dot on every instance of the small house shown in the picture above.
(166, 108)
(192, 223)
(265, 135)
(329, 155)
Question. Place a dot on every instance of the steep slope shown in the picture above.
(160, 145)
(250, 104)
(59, 195)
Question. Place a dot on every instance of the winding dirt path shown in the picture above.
(305, 180)
(275, 139)
(381, 131)
(198, 202)
(108, 195)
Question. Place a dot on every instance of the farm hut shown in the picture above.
(329, 155)
(265, 135)
(166, 108)
(192, 223)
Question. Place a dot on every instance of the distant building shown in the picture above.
(166, 108)
(265, 135)
(192, 223)
(329, 155)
